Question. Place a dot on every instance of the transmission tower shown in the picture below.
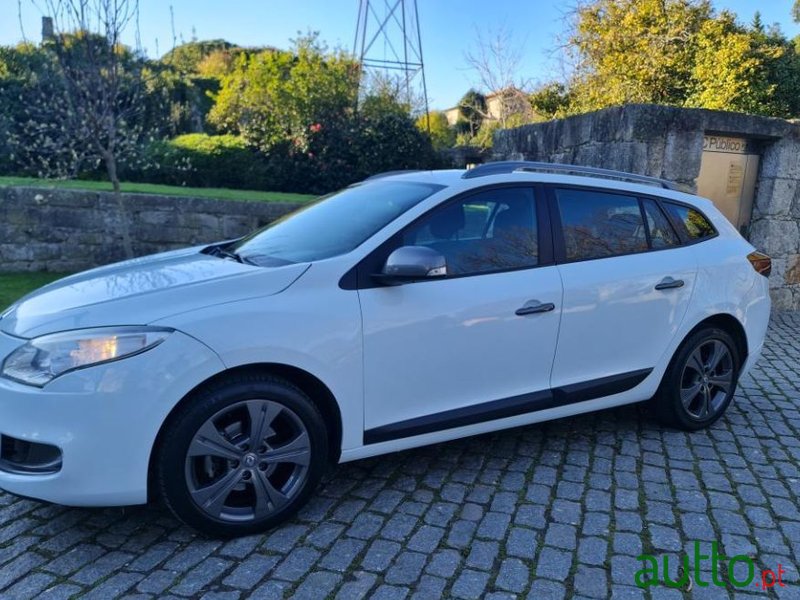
(388, 41)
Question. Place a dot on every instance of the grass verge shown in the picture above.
(153, 188)
(15, 285)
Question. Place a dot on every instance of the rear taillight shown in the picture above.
(761, 263)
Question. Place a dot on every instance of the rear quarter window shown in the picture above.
(691, 223)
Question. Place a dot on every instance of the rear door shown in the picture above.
(627, 284)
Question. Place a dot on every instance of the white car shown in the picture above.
(406, 310)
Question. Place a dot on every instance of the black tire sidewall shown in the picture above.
(670, 405)
(182, 428)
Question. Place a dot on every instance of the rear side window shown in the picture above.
(598, 224)
(662, 235)
(692, 224)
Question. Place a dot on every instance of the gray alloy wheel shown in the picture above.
(707, 379)
(700, 381)
(248, 461)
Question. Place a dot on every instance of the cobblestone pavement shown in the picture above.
(554, 510)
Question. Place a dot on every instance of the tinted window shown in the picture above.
(334, 224)
(662, 235)
(597, 224)
(490, 231)
(693, 224)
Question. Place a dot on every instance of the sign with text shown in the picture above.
(731, 145)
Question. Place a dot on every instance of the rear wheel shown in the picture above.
(242, 456)
(700, 381)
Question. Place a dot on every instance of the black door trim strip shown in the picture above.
(507, 407)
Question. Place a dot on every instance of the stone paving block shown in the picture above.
(513, 575)
(379, 555)
(250, 571)
(470, 584)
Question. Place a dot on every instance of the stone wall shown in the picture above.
(45, 229)
(667, 142)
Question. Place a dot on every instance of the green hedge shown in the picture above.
(200, 160)
(333, 157)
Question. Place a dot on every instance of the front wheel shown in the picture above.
(700, 381)
(242, 456)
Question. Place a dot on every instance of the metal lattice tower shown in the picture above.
(388, 41)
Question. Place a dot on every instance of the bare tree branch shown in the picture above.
(496, 61)
(103, 85)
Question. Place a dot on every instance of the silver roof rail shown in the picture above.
(511, 166)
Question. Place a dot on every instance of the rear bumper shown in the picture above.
(752, 358)
(104, 420)
(756, 321)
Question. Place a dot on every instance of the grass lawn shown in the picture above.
(15, 285)
(152, 188)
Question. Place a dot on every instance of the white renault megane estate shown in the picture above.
(409, 309)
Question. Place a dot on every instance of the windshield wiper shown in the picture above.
(223, 253)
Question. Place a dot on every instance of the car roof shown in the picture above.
(453, 180)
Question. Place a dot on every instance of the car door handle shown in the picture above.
(534, 307)
(669, 283)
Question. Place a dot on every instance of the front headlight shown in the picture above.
(44, 358)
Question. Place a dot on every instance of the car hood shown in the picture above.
(143, 290)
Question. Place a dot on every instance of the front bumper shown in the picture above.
(103, 419)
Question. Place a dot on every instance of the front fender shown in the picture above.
(313, 329)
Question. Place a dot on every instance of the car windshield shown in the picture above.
(334, 224)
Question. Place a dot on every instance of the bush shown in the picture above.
(201, 160)
(350, 151)
(335, 156)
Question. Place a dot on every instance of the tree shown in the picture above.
(551, 101)
(188, 57)
(796, 11)
(442, 135)
(274, 95)
(301, 110)
(677, 52)
(382, 95)
(471, 112)
(32, 116)
(737, 69)
(757, 24)
(101, 86)
(496, 61)
(634, 50)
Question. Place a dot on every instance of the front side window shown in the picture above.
(691, 222)
(334, 224)
(490, 231)
(598, 224)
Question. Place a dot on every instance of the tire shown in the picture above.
(700, 381)
(242, 456)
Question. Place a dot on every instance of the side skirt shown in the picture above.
(507, 407)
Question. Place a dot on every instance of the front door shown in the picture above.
(477, 345)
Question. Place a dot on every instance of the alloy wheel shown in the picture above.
(248, 461)
(707, 379)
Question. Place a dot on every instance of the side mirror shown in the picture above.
(412, 263)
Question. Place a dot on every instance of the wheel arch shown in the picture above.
(318, 392)
(729, 323)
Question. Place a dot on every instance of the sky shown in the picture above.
(448, 29)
